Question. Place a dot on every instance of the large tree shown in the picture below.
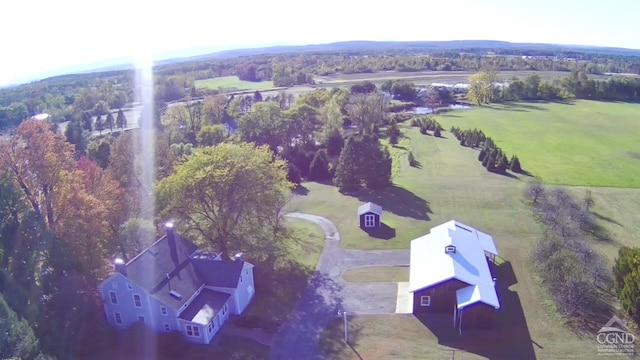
(363, 161)
(367, 111)
(482, 87)
(265, 125)
(213, 109)
(229, 196)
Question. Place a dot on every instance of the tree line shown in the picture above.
(493, 158)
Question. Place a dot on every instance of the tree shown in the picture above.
(482, 88)
(627, 280)
(87, 123)
(229, 197)
(121, 120)
(257, 96)
(213, 109)
(482, 154)
(588, 200)
(367, 111)
(331, 117)
(211, 135)
(347, 177)
(363, 161)
(265, 125)
(293, 174)
(432, 99)
(99, 151)
(76, 135)
(437, 132)
(393, 132)
(334, 143)
(365, 87)
(319, 167)
(110, 122)
(502, 164)
(514, 164)
(99, 124)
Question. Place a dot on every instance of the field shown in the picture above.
(232, 83)
(583, 143)
(451, 184)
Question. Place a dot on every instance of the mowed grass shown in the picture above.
(278, 291)
(232, 83)
(377, 274)
(584, 143)
(451, 184)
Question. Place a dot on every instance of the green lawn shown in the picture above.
(232, 83)
(451, 184)
(584, 143)
(278, 289)
(377, 274)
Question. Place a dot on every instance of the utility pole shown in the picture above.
(346, 335)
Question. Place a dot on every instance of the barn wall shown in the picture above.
(478, 316)
(443, 297)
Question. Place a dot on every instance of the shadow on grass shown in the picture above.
(400, 147)
(595, 230)
(398, 201)
(416, 164)
(506, 174)
(139, 342)
(592, 317)
(525, 173)
(510, 337)
(606, 218)
(316, 309)
(332, 342)
(301, 190)
(384, 232)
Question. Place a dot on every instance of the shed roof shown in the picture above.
(205, 307)
(430, 265)
(370, 208)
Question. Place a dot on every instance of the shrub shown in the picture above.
(436, 132)
(514, 165)
(482, 154)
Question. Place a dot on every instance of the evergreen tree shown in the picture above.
(121, 120)
(485, 161)
(379, 175)
(423, 129)
(491, 162)
(482, 154)
(319, 167)
(293, 174)
(75, 135)
(86, 121)
(502, 164)
(436, 132)
(99, 124)
(347, 172)
(335, 142)
(394, 132)
(515, 165)
(110, 122)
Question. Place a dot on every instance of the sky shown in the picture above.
(39, 36)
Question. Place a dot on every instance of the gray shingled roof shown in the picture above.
(223, 273)
(205, 306)
(150, 268)
(370, 208)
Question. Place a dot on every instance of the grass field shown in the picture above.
(583, 143)
(232, 83)
(377, 274)
(451, 184)
(277, 294)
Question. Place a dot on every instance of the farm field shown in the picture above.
(232, 83)
(451, 184)
(428, 77)
(586, 143)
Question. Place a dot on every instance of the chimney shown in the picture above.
(169, 281)
(239, 257)
(494, 281)
(171, 239)
(120, 266)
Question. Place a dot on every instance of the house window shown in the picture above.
(167, 328)
(193, 331)
(137, 301)
(163, 311)
(141, 318)
(425, 300)
(210, 327)
(369, 220)
(114, 297)
(117, 317)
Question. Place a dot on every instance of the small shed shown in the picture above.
(369, 215)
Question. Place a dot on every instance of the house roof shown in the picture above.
(222, 273)
(430, 265)
(150, 268)
(370, 208)
(205, 307)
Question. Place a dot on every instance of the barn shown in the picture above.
(450, 274)
(369, 216)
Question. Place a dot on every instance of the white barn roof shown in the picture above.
(430, 265)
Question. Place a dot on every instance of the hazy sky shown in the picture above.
(42, 35)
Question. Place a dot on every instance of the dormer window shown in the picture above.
(449, 249)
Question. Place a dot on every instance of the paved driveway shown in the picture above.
(328, 292)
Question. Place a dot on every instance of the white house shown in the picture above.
(171, 286)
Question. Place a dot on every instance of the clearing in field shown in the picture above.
(587, 143)
(450, 183)
(232, 83)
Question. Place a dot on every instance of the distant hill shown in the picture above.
(210, 52)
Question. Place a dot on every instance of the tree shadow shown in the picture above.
(606, 218)
(315, 310)
(510, 337)
(301, 190)
(398, 201)
(384, 232)
(416, 164)
(506, 174)
(595, 230)
(525, 173)
(400, 147)
(592, 317)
